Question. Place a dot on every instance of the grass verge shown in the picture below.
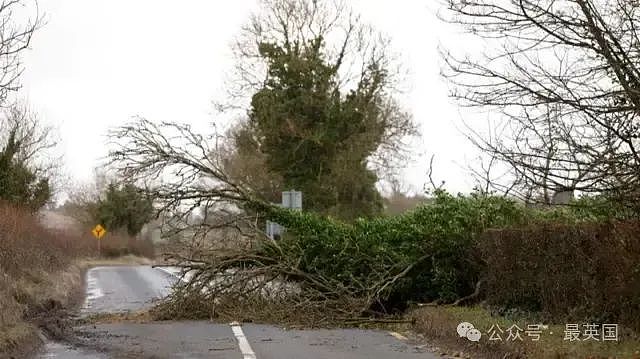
(439, 324)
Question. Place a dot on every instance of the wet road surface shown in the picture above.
(125, 288)
(130, 288)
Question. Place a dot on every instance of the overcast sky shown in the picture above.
(96, 63)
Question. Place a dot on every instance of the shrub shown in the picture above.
(117, 244)
(601, 207)
(25, 245)
(31, 256)
(438, 240)
(124, 208)
(575, 271)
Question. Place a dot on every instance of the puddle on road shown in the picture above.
(58, 350)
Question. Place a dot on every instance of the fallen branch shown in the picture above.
(435, 303)
(473, 295)
(378, 320)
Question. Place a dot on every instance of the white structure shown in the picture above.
(290, 199)
(562, 197)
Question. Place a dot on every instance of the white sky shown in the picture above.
(95, 64)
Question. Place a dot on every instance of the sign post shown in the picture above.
(290, 199)
(98, 231)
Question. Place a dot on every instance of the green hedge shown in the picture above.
(572, 272)
(437, 239)
(433, 250)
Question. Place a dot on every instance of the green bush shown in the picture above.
(599, 208)
(431, 253)
(21, 185)
(124, 207)
(438, 240)
(433, 244)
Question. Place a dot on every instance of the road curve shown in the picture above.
(115, 289)
(130, 288)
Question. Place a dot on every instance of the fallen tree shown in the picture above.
(366, 267)
(338, 270)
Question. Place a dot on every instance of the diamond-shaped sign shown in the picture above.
(98, 231)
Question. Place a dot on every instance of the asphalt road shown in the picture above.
(126, 288)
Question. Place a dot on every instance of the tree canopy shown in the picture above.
(317, 138)
(561, 80)
(319, 124)
(124, 207)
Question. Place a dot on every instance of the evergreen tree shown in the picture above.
(19, 184)
(124, 208)
(316, 137)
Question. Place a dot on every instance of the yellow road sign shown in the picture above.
(98, 231)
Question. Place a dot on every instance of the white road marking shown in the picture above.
(243, 343)
(174, 272)
(236, 327)
(93, 290)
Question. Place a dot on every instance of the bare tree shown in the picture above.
(183, 171)
(186, 173)
(35, 140)
(15, 38)
(565, 79)
(83, 198)
(31, 137)
(352, 45)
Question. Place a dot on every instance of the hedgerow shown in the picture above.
(376, 265)
(576, 272)
(419, 255)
